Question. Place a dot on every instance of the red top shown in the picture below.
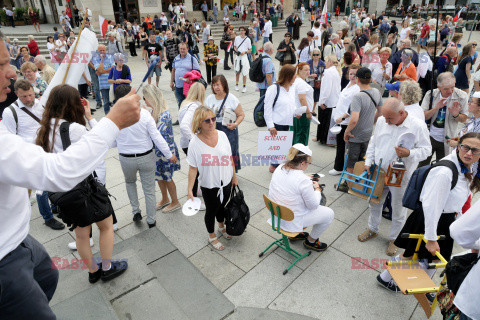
(425, 31)
(33, 47)
(69, 12)
(337, 11)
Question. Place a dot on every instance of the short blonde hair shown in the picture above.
(155, 98)
(28, 66)
(385, 49)
(199, 116)
(411, 92)
(30, 37)
(196, 93)
(373, 38)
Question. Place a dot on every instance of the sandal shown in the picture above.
(367, 235)
(161, 206)
(225, 234)
(218, 245)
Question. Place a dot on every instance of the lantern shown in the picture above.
(395, 172)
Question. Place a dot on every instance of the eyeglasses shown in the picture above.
(210, 120)
(315, 54)
(466, 148)
(344, 43)
(474, 44)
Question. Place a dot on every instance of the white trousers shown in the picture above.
(320, 218)
(399, 214)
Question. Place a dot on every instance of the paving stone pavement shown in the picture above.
(336, 284)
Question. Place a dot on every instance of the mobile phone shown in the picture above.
(84, 102)
(315, 177)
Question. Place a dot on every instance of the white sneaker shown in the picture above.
(244, 89)
(334, 172)
(73, 245)
(115, 227)
(202, 206)
(236, 88)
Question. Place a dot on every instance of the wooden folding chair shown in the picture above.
(280, 212)
(411, 278)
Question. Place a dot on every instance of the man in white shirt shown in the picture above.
(205, 33)
(385, 146)
(242, 46)
(25, 266)
(267, 30)
(331, 46)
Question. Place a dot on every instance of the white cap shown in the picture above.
(476, 95)
(303, 148)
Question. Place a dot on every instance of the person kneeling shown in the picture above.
(292, 188)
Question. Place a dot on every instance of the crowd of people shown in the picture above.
(365, 78)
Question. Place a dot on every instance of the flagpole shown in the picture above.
(434, 55)
(75, 47)
(474, 26)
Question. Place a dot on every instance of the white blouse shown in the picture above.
(302, 87)
(294, 190)
(230, 103)
(344, 101)
(282, 112)
(331, 87)
(378, 69)
(437, 198)
(185, 118)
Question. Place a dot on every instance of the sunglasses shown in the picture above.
(210, 120)
(465, 148)
(316, 54)
(474, 44)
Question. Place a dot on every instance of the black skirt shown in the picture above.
(416, 224)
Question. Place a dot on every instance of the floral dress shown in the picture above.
(164, 169)
(39, 86)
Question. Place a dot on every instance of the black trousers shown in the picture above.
(211, 72)
(205, 15)
(214, 208)
(131, 47)
(28, 282)
(340, 155)
(438, 149)
(225, 61)
(322, 129)
(195, 185)
(83, 90)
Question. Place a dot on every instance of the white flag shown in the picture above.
(323, 17)
(86, 47)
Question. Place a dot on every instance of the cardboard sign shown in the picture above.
(274, 148)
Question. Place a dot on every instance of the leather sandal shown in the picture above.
(225, 234)
(218, 245)
(367, 235)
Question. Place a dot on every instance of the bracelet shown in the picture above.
(455, 117)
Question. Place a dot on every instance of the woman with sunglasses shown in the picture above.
(288, 48)
(226, 40)
(317, 66)
(440, 205)
(210, 155)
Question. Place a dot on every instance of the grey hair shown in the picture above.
(394, 104)
(40, 58)
(408, 53)
(411, 92)
(118, 56)
(445, 78)
(334, 36)
(268, 46)
(30, 37)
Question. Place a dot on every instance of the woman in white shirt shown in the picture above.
(65, 104)
(317, 38)
(440, 205)
(370, 51)
(341, 115)
(229, 113)
(329, 93)
(210, 155)
(303, 51)
(195, 98)
(381, 69)
(279, 112)
(292, 188)
(303, 98)
(410, 93)
(405, 32)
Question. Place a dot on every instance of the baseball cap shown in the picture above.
(393, 86)
(210, 38)
(364, 73)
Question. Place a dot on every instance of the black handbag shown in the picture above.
(458, 268)
(87, 202)
(280, 56)
(237, 213)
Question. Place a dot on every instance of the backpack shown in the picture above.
(237, 213)
(256, 73)
(258, 112)
(87, 202)
(411, 198)
(458, 268)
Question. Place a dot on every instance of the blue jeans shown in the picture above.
(44, 206)
(179, 95)
(266, 39)
(106, 99)
(96, 86)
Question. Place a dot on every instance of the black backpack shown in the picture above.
(87, 202)
(256, 70)
(458, 268)
(237, 213)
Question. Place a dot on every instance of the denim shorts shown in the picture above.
(157, 71)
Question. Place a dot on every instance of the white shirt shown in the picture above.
(330, 48)
(377, 71)
(27, 126)
(466, 232)
(138, 137)
(331, 87)
(300, 86)
(242, 47)
(214, 164)
(369, 57)
(24, 165)
(164, 20)
(385, 138)
(267, 29)
(416, 111)
(284, 108)
(403, 33)
(61, 45)
(437, 198)
(230, 103)
(50, 47)
(304, 54)
(294, 190)
(344, 101)
(317, 33)
(185, 118)
(425, 64)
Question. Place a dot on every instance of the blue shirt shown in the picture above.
(204, 7)
(107, 63)
(183, 66)
(267, 67)
(115, 74)
(215, 10)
